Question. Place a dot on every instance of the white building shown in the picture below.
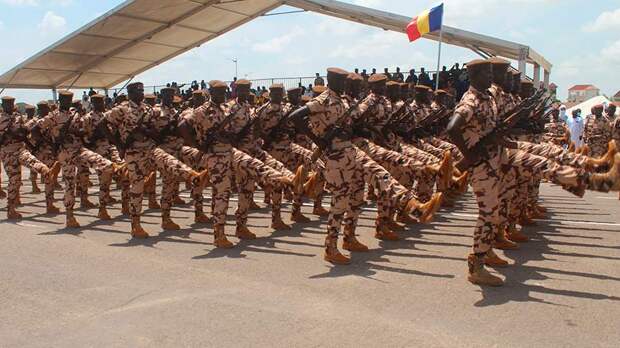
(581, 93)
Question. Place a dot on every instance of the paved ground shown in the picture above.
(96, 287)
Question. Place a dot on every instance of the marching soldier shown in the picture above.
(346, 168)
(66, 130)
(137, 134)
(597, 132)
(14, 154)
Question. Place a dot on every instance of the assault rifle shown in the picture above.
(336, 129)
(214, 133)
(504, 126)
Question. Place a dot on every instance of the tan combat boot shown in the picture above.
(406, 219)
(50, 208)
(243, 232)
(502, 243)
(478, 274)
(491, 259)
(319, 210)
(609, 181)
(167, 224)
(332, 254)
(298, 217)
(12, 214)
(103, 213)
(177, 200)
(383, 231)
(351, 243)
(136, 228)
(201, 218)
(395, 226)
(513, 234)
(70, 221)
(220, 240)
(311, 187)
(278, 225)
(426, 210)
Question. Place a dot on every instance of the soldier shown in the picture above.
(101, 145)
(44, 152)
(346, 167)
(137, 133)
(275, 180)
(472, 129)
(66, 130)
(556, 131)
(14, 154)
(597, 132)
(202, 129)
(29, 123)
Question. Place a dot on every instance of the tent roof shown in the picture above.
(140, 34)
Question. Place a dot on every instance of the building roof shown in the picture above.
(587, 105)
(582, 87)
(617, 95)
(140, 34)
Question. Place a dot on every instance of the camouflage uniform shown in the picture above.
(555, 132)
(217, 160)
(347, 169)
(13, 153)
(66, 129)
(596, 134)
(143, 156)
(252, 164)
(171, 143)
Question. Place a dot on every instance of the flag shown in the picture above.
(428, 21)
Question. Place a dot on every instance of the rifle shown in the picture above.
(280, 127)
(504, 126)
(64, 130)
(211, 135)
(336, 129)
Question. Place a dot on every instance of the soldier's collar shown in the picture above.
(483, 95)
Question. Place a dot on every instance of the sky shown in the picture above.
(581, 39)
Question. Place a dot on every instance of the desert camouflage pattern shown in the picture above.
(596, 134)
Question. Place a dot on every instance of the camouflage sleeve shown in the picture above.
(114, 116)
(315, 106)
(471, 132)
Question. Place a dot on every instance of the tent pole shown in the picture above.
(439, 57)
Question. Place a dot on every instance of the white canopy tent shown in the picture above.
(140, 34)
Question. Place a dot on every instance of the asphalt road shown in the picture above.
(96, 287)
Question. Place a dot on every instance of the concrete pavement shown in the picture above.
(96, 287)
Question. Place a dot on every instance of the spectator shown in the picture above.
(443, 77)
(357, 71)
(563, 114)
(386, 72)
(203, 85)
(233, 88)
(575, 126)
(91, 92)
(365, 75)
(374, 71)
(412, 78)
(398, 76)
(424, 79)
(318, 80)
(309, 91)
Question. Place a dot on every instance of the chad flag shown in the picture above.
(428, 21)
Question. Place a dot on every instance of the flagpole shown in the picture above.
(439, 56)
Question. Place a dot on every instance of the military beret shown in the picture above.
(43, 103)
(393, 86)
(478, 64)
(65, 94)
(422, 88)
(319, 89)
(150, 96)
(440, 91)
(29, 107)
(135, 85)
(499, 61)
(277, 86)
(355, 77)
(217, 84)
(198, 92)
(337, 72)
(377, 78)
(294, 90)
(243, 82)
(97, 97)
(8, 98)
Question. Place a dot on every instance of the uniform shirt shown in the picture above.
(325, 110)
(204, 118)
(554, 131)
(162, 119)
(241, 116)
(479, 112)
(126, 117)
(10, 126)
(596, 128)
(420, 111)
(56, 128)
(500, 98)
(376, 110)
(615, 129)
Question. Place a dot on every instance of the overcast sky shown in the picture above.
(579, 38)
